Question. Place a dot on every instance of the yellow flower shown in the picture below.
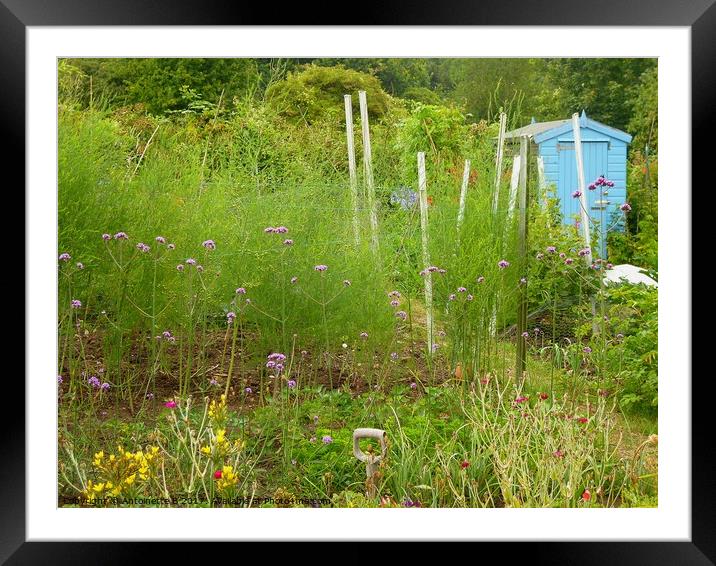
(129, 480)
(220, 436)
(206, 450)
(97, 488)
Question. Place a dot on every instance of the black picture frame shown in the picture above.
(698, 15)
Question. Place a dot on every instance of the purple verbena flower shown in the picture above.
(291, 383)
(321, 267)
(121, 236)
(576, 194)
(288, 242)
(346, 283)
(294, 279)
(106, 237)
(502, 264)
(65, 257)
(551, 249)
(160, 240)
(327, 439)
(364, 335)
(76, 304)
(190, 261)
(240, 291)
(180, 267)
(568, 261)
(80, 265)
(626, 207)
(402, 315)
(105, 386)
(142, 247)
(230, 316)
(209, 244)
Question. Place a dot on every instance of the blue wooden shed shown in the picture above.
(604, 151)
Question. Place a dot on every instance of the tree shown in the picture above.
(317, 92)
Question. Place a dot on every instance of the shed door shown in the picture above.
(594, 154)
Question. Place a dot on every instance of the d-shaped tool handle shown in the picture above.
(374, 433)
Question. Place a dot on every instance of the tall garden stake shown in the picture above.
(426, 252)
(582, 188)
(463, 195)
(352, 165)
(368, 170)
(522, 251)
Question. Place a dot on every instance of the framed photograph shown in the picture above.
(285, 282)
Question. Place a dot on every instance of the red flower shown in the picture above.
(586, 496)
(583, 419)
(558, 454)
(543, 396)
(170, 404)
(217, 475)
(464, 464)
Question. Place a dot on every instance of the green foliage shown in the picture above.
(439, 131)
(605, 88)
(317, 93)
(158, 83)
(397, 76)
(639, 243)
(633, 359)
(644, 123)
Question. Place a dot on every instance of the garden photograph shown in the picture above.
(357, 283)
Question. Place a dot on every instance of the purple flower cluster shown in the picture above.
(121, 236)
(321, 267)
(402, 315)
(601, 182)
(584, 252)
(291, 383)
(161, 240)
(240, 291)
(167, 336)
(276, 230)
(503, 264)
(96, 384)
(275, 362)
(626, 207)
(576, 194)
(230, 316)
(76, 304)
(142, 247)
(209, 244)
(65, 257)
